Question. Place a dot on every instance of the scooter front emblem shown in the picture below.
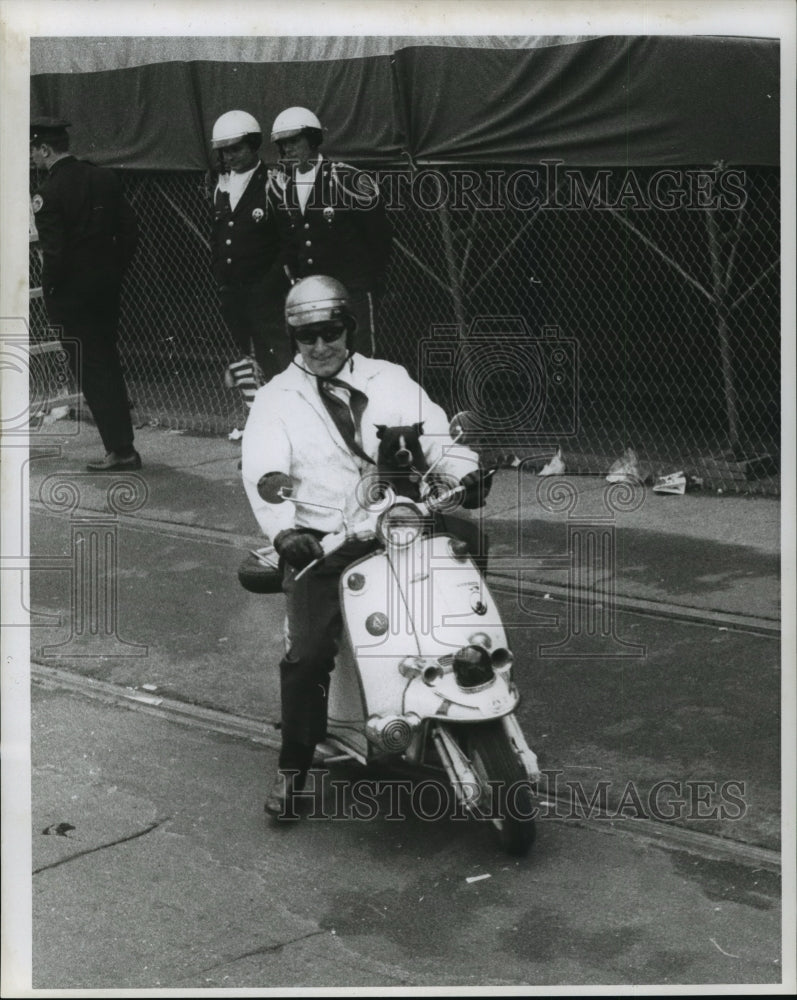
(377, 623)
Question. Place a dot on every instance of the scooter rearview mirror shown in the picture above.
(275, 487)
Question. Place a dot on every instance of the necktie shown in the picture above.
(346, 418)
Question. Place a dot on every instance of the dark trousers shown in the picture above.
(88, 329)
(253, 315)
(314, 629)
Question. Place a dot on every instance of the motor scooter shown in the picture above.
(424, 670)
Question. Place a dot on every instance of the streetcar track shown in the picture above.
(505, 582)
(652, 831)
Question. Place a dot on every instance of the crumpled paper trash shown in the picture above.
(625, 469)
(673, 482)
(56, 413)
(555, 466)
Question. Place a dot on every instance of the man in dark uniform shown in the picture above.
(245, 253)
(88, 234)
(332, 219)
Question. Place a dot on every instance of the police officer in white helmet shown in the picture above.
(246, 254)
(296, 428)
(332, 219)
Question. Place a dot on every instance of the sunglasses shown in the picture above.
(327, 334)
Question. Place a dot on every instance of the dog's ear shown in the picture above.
(380, 430)
(418, 428)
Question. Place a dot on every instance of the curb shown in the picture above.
(655, 609)
(667, 836)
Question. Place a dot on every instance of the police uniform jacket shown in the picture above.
(344, 231)
(245, 239)
(290, 430)
(87, 231)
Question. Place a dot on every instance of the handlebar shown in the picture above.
(335, 540)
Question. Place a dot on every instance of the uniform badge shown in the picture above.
(329, 213)
(257, 214)
(37, 202)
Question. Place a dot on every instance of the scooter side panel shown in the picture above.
(378, 630)
(458, 600)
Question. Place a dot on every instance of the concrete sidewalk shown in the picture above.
(702, 551)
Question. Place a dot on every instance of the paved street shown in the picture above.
(170, 876)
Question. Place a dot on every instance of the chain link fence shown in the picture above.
(595, 311)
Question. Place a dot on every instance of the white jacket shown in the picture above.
(289, 430)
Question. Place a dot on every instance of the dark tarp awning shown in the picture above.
(606, 101)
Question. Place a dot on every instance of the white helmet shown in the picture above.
(293, 121)
(318, 299)
(232, 127)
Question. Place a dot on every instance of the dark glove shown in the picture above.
(477, 485)
(298, 547)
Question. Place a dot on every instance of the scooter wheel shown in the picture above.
(507, 794)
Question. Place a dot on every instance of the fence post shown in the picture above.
(454, 282)
(720, 299)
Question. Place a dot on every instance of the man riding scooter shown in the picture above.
(316, 422)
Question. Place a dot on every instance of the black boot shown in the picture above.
(281, 800)
(294, 762)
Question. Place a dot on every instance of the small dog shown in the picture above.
(400, 464)
(400, 461)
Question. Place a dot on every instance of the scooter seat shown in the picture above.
(257, 578)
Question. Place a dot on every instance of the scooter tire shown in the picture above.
(508, 795)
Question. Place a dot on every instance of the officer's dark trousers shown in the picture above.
(314, 629)
(88, 329)
(253, 315)
(364, 307)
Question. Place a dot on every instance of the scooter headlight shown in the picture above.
(502, 661)
(473, 667)
(501, 658)
(400, 525)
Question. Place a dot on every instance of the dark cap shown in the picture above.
(47, 128)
